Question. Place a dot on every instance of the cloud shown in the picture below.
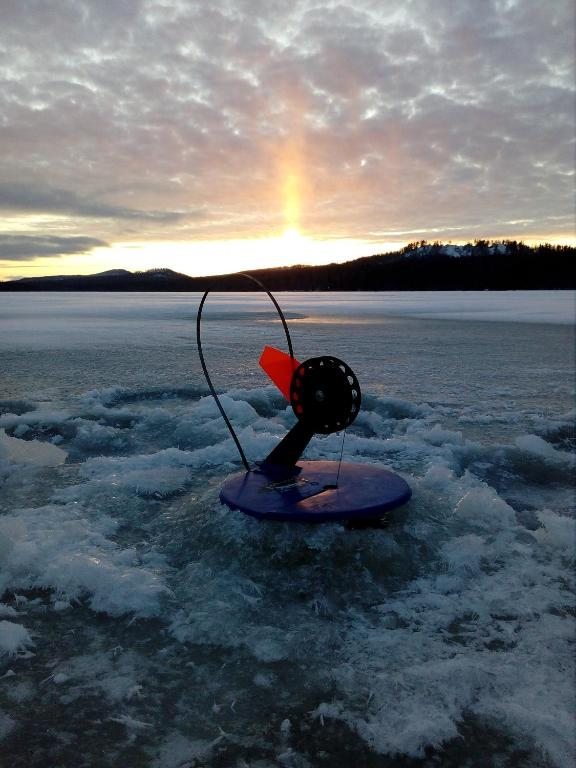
(30, 247)
(21, 197)
(391, 115)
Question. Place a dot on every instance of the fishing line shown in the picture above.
(205, 369)
(340, 461)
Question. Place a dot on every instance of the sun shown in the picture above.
(290, 247)
(292, 235)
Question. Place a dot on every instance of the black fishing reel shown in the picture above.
(325, 394)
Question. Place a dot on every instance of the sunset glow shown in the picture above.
(220, 257)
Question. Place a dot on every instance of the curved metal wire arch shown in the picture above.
(205, 369)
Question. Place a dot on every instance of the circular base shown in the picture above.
(310, 495)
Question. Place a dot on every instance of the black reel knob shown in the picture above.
(325, 394)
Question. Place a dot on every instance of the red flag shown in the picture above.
(280, 367)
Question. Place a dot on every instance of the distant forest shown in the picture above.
(420, 266)
(423, 266)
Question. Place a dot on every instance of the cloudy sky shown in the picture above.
(210, 136)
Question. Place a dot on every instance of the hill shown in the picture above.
(421, 266)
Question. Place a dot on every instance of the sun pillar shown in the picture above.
(293, 192)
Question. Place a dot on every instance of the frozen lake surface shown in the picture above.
(142, 624)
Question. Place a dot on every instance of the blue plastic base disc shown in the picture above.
(365, 492)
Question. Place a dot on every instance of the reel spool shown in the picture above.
(325, 396)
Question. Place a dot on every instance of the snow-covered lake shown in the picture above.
(142, 624)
